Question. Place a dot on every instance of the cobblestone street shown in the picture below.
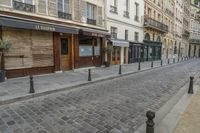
(113, 106)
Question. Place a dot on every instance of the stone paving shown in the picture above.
(113, 106)
(19, 87)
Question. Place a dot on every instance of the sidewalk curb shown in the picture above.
(168, 106)
(84, 83)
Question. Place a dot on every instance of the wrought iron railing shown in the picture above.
(195, 41)
(91, 21)
(149, 22)
(23, 6)
(64, 15)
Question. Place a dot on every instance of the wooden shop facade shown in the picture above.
(41, 45)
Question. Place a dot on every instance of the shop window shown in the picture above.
(85, 46)
(97, 43)
(64, 46)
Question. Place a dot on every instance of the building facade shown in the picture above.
(186, 27)
(194, 30)
(155, 29)
(125, 23)
(52, 35)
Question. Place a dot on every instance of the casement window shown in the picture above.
(126, 8)
(91, 14)
(136, 11)
(113, 31)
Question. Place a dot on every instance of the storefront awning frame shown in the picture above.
(119, 43)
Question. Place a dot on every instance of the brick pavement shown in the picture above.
(114, 106)
(18, 88)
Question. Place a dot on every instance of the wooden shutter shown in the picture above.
(52, 8)
(76, 10)
(42, 7)
(99, 16)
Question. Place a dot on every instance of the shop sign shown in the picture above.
(45, 28)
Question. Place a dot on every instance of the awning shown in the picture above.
(120, 43)
(94, 32)
(42, 26)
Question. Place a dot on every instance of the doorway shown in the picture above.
(65, 54)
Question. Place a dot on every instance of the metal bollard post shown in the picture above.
(181, 58)
(139, 64)
(168, 61)
(173, 60)
(120, 69)
(32, 90)
(152, 63)
(190, 91)
(89, 75)
(150, 123)
(161, 62)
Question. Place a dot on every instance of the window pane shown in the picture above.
(28, 2)
(90, 11)
(60, 5)
(66, 6)
(64, 46)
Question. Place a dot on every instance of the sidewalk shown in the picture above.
(17, 89)
(190, 119)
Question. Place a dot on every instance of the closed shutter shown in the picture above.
(76, 10)
(42, 7)
(52, 8)
(99, 16)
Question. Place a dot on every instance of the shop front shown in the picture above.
(120, 52)
(89, 48)
(152, 50)
(37, 47)
(135, 52)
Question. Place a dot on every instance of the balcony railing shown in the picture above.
(91, 21)
(170, 13)
(114, 35)
(186, 33)
(154, 24)
(64, 15)
(23, 6)
(195, 41)
(126, 14)
(113, 9)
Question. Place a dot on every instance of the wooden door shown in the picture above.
(65, 54)
(116, 56)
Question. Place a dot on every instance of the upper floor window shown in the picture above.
(113, 6)
(113, 31)
(24, 5)
(136, 36)
(126, 34)
(64, 9)
(126, 8)
(136, 11)
(91, 14)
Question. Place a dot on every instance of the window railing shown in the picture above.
(126, 14)
(91, 21)
(195, 41)
(23, 6)
(114, 35)
(113, 9)
(64, 15)
(152, 23)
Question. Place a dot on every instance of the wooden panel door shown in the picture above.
(65, 54)
(116, 56)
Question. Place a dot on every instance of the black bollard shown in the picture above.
(161, 61)
(178, 59)
(32, 90)
(152, 63)
(139, 64)
(168, 61)
(120, 69)
(173, 60)
(190, 91)
(181, 58)
(89, 75)
(150, 123)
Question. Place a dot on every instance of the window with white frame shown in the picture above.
(90, 11)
